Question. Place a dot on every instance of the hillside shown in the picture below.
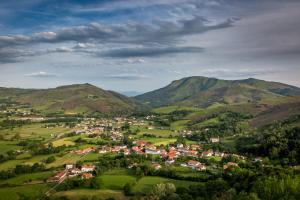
(200, 91)
(73, 99)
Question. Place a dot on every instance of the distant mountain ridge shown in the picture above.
(76, 98)
(203, 91)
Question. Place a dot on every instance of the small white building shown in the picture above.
(87, 168)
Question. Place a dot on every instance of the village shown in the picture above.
(166, 156)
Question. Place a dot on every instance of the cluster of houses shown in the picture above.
(85, 171)
(169, 156)
(110, 127)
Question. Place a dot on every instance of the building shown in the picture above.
(230, 164)
(215, 140)
(193, 163)
(156, 166)
(170, 162)
(69, 166)
(88, 168)
(207, 153)
(86, 176)
(58, 178)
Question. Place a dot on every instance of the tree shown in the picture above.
(128, 189)
(50, 159)
(162, 191)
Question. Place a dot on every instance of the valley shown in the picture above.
(82, 142)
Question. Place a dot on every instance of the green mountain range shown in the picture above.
(198, 91)
(73, 99)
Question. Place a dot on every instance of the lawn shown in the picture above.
(27, 178)
(115, 182)
(10, 164)
(89, 193)
(29, 191)
(160, 141)
(91, 157)
(179, 125)
(63, 141)
(65, 159)
(157, 132)
(169, 109)
(6, 146)
(34, 131)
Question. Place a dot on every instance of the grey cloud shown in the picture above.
(126, 76)
(13, 55)
(90, 36)
(159, 31)
(149, 51)
(41, 74)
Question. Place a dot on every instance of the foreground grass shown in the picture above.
(28, 191)
(27, 178)
(88, 194)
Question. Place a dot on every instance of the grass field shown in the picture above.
(63, 141)
(158, 132)
(66, 159)
(159, 141)
(179, 125)
(6, 146)
(29, 191)
(27, 178)
(115, 182)
(89, 193)
(169, 109)
(10, 164)
(34, 131)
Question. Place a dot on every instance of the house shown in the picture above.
(201, 167)
(230, 164)
(215, 140)
(88, 168)
(69, 166)
(151, 149)
(58, 178)
(169, 162)
(87, 176)
(193, 163)
(207, 153)
(172, 154)
(194, 147)
(126, 151)
(137, 150)
(156, 166)
(219, 154)
(74, 172)
(192, 153)
(140, 143)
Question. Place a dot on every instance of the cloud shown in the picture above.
(89, 37)
(149, 51)
(13, 55)
(126, 76)
(137, 33)
(41, 74)
(62, 49)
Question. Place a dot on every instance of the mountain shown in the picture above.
(73, 99)
(202, 92)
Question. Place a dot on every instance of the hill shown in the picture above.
(73, 99)
(198, 91)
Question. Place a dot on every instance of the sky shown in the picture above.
(135, 46)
